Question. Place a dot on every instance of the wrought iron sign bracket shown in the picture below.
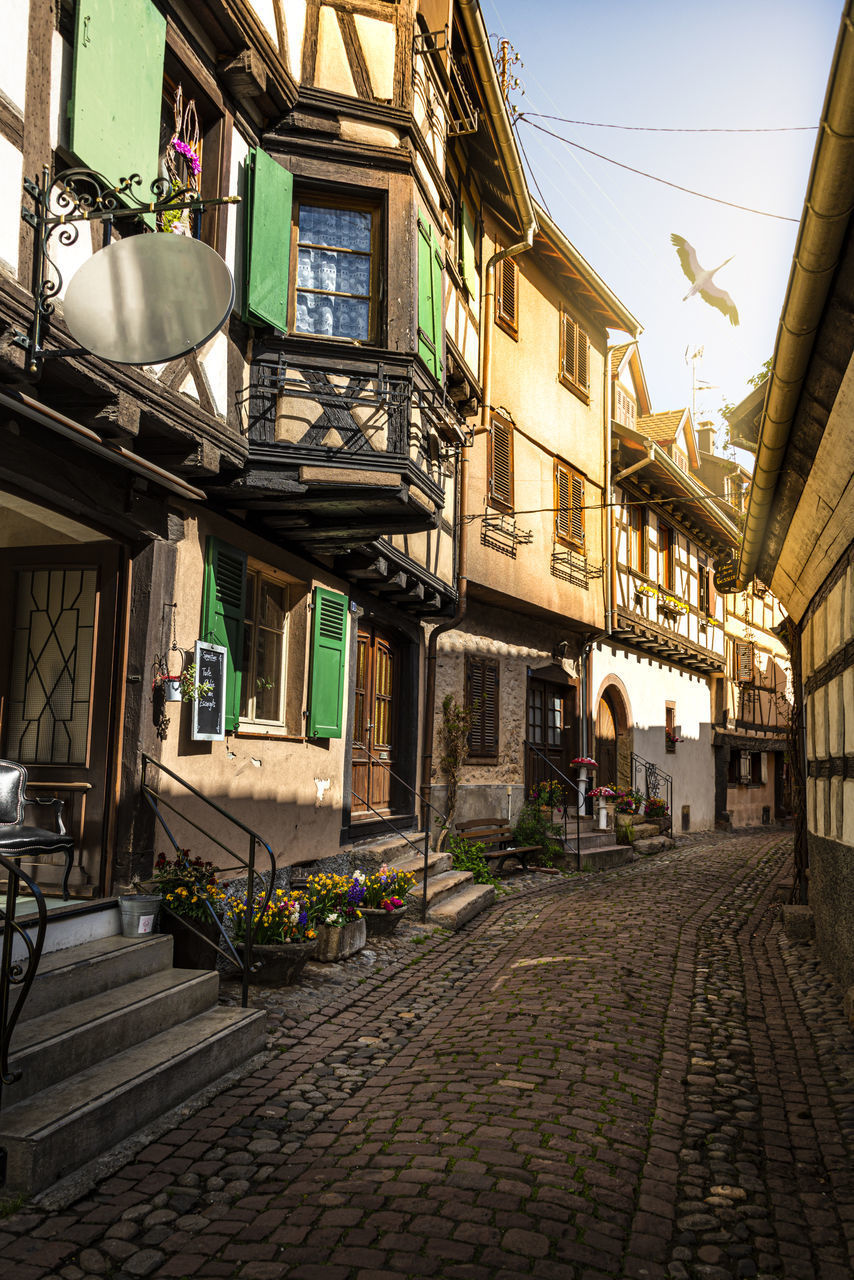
(84, 195)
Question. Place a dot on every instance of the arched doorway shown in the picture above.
(613, 737)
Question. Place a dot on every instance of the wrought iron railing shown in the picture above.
(423, 852)
(654, 784)
(573, 797)
(157, 802)
(17, 966)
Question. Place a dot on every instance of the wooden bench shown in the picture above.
(497, 838)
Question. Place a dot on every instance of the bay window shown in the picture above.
(336, 250)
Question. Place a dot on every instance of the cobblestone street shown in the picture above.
(626, 1074)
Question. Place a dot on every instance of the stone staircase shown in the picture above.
(453, 898)
(111, 1036)
(599, 849)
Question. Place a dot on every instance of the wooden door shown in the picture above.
(606, 745)
(374, 725)
(552, 730)
(58, 688)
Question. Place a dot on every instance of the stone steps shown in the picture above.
(110, 1037)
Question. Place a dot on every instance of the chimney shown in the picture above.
(706, 437)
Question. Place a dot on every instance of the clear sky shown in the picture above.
(737, 64)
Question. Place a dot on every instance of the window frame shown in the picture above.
(566, 376)
(494, 496)
(215, 136)
(666, 556)
(478, 746)
(638, 543)
(575, 483)
(250, 721)
(344, 200)
(505, 317)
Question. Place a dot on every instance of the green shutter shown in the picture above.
(117, 88)
(268, 204)
(223, 611)
(469, 257)
(328, 663)
(429, 298)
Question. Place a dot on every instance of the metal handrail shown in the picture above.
(425, 853)
(582, 795)
(18, 974)
(154, 800)
(652, 774)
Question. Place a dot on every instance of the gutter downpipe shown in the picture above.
(821, 235)
(482, 57)
(608, 529)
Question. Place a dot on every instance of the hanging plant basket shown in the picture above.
(172, 688)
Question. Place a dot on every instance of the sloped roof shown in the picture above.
(662, 427)
(627, 354)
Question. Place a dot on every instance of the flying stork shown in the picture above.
(701, 280)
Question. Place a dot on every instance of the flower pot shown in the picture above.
(139, 913)
(172, 688)
(381, 922)
(279, 963)
(189, 951)
(337, 942)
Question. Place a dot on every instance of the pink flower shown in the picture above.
(185, 150)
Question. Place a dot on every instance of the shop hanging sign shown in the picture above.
(725, 575)
(209, 706)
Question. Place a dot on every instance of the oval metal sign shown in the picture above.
(149, 298)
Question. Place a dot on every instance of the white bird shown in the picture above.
(701, 280)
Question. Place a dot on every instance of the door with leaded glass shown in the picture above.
(59, 690)
(552, 731)
(374, 725)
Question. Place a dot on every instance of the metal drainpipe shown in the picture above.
(608, 513)
(462, 562)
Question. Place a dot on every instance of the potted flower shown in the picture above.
(548, 793)
(384, 903)
(192, 901)
(656, 809)
(670, 739)
(583, 764)
(182, 687)
(283, 936)
(605, 799)
(334, 905)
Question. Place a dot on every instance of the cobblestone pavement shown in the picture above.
(627, 1074)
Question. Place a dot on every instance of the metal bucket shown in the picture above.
(139, 914)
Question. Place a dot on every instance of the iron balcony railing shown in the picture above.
(157, 802)
(650, 779)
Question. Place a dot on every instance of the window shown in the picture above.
(507, 296)
(569, 505)
(265, 626)
(706, 596)
(500, 463)
(670, 727)
(665, 556)
(467, 250)
(625, 410)
(637, 535)
(336, 263)
(482, 703)
(747, 769)
(574, 357)
(680, 458)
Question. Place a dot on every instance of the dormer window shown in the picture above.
(625, 410)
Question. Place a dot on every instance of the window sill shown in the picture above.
(276, 734)
(579, 392)
(511, 330)
(490, 760)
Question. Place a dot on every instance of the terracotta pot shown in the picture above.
(337, 942)
(281, 963)
(189, 951)
(381, 922)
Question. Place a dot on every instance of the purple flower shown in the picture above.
(189, 155)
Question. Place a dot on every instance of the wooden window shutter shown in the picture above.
(328, 664)
(482, 685)
(223, 612)
(562, 498)
(507, 293)
(501, 464)
(117, 88)
(574, 353)
(468, 257)
(268, 204)
(576, 523)
(703, 590)
(429, 298)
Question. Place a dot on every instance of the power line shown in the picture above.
(532, 173)
(779, 217)
(642, 128)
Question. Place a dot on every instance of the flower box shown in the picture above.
(278, 964)
(189, 950)
(339, 941)
(380, 922)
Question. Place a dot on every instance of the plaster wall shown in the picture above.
(294, 11)
(13, 51)
(11, 166)
(649, 685)
(289, 789)
(265, 9)
(744, 804)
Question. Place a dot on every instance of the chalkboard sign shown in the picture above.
(209, 708)
(725, 576)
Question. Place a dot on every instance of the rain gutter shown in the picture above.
(818, 250)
